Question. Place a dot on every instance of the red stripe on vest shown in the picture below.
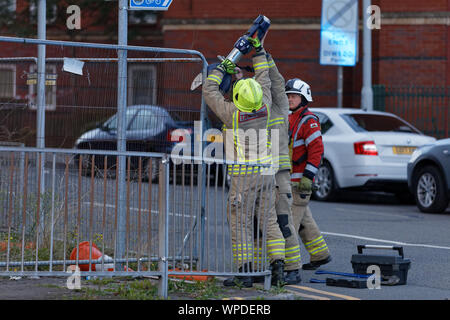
(247, 116)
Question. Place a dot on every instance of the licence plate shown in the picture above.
(403, 150)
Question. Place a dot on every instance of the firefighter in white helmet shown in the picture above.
(250, 110)
(306, 154)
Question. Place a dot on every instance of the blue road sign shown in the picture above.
(150, 4)
(339, 33)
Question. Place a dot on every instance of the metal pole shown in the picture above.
(121, 131)
(204, 124)
(340, 85)
(367, 92)
(40, 103)
(163, 226)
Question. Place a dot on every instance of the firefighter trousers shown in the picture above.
(306, 225)
(283, 206)
(253, 195)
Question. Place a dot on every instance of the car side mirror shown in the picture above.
(104, 127)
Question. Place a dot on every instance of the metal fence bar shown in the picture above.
(24, 206)
(53, 208)
(100, 46)
(426, 107)
(164, 176)
(446, 111)
(80, 262)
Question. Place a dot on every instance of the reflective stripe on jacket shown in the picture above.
(279, 118)
(251, 148)
(247, 148)
(306, 144)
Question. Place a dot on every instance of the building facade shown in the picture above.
(410, 58)
(411, 48)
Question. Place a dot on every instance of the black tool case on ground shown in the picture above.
(347, 283)
(394, 269)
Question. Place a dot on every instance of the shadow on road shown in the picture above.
(367, 197)
(374, 198)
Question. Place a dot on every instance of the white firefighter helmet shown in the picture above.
(299, 87)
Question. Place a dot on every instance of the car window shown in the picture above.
(145, 119)
(111, 124)
(377, 122)
(325, 122)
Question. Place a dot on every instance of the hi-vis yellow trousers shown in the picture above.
(253, 195)
(306, 225)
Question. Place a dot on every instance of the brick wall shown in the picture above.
(187, 9)
(413, 5)
(412, 47)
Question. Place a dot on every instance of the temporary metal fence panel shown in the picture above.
(73, 221)
(427, 108)
(55, 200)
(78, 102)
(215, 247)
(41, 229)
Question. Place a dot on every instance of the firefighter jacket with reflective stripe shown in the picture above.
(306, 144)
(279, 118)
(249, 134)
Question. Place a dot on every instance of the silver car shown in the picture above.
(367, 150)
(429, 176)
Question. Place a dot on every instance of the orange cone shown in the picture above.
(96, 254)
(188, 277)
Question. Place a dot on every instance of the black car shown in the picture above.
(429, 176)
(148, 129)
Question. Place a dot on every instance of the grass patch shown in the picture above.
(201, 290)
(147, 289)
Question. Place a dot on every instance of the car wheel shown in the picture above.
(430, 190)
(325, 183)
(152, 170)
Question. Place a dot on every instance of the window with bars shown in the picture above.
(7, 81)
(50, 88)
(141, 84)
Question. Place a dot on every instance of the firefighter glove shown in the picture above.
(227, 66)
(255, 43)
(305, 184)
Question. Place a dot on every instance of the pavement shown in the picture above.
(55, 288)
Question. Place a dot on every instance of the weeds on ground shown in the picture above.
(146, 289)
(278, 289)
(201, 290)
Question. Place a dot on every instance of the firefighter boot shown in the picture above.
(244, 281)
(278, 273)
(313, 265)
(293, 277)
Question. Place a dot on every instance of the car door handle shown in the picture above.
(446, 152)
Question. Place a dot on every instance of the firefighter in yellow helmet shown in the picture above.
(251, 187)
(279, 123)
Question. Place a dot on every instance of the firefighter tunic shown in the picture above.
(278, 128)
(251, 191)
(307, 151)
